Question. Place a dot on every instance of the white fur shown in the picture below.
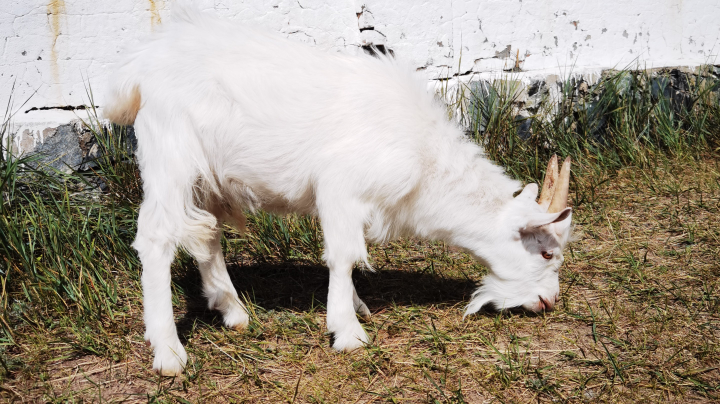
(232, 118)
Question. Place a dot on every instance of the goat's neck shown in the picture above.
(464, 205)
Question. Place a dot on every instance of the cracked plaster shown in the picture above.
(51, 50)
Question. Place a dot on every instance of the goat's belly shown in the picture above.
(239, 195)
(283, 206)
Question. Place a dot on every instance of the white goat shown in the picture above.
(231, 118)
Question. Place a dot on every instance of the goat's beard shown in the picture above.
(501, 294)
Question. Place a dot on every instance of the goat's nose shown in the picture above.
(547, 304)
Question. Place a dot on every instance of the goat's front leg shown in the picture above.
(341, 307)
(342, 223)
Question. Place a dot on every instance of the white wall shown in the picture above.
(52, 49)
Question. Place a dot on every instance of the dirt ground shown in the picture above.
(638, 321)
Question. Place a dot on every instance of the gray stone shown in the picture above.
(537, 91)
(524, 125)
(69, 147)
(60, 149)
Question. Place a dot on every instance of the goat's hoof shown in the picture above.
(236, 318)
(349, 340)
(170, 359)
(364, 312)
(170, 372)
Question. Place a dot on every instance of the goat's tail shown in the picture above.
(124, 98)
(123, 105)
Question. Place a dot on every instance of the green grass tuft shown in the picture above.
(629, 118)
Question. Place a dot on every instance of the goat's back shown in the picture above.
(247, 106)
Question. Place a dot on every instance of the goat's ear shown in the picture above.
(529, 192)
(543, 219)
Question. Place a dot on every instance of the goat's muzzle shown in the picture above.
(547, 304)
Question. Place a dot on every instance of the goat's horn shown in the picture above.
(551, 177)
(560, 199)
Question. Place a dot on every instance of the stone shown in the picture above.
(67, 147)
(524, 125)
(61, 150)
(583, 88)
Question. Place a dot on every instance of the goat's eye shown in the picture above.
(547, 254)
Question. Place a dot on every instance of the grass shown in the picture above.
(627, 119)
(639, 318)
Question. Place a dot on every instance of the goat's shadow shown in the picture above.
(301, 286)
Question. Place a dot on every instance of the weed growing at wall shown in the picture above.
(62, 242)
(627, 119)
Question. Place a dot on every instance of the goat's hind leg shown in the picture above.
(156, 250)
(218, 287)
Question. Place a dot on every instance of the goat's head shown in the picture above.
(525, 257)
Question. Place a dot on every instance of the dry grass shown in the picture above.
(639, 320)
